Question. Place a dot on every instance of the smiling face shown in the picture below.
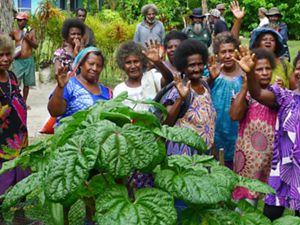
(81, 15)
(263, 72)
(171, 47)
(91, 68)
(194, 67)
(74, 33)
(268, 42)
(226, 55)
(133, 67)
(5, 59)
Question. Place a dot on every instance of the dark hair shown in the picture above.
(131, 48)
(81, 9)
(297, 58)
(174, 35)
(70, 23)
(188, 48)
(99, 53)
(261, 53)
(225, 38)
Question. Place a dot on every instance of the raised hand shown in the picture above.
(62, 76)
(153, 52)
(245, 59)
(214, 67)
(236, 10)
(183, 90)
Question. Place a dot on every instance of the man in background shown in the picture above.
(88, 38)
(23, 65)
(150, 27)
(198, 29)
(264, 21)
(219, 25)
(221, 8)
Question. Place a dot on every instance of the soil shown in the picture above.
(38, 114)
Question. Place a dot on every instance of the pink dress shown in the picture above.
(254, 146)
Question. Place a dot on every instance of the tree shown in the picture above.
(6, 16)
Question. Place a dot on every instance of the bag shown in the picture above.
(18, 50)
(185, 105)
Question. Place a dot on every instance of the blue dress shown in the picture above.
(222, 91)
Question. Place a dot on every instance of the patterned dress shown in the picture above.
(224, 87)
(13, 130)
(285, 173)
(200, 117)
(254, 146)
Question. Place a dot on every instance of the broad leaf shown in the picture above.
(182, 135)
(22, 188)
(287, 220)
(71, 166)
(255, 185)
(127, 149)
(151, 206)
(186, 162)
(188, 181)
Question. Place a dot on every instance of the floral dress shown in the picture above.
(285, 173)
(13, 130)
(200, 117)
(254, 146)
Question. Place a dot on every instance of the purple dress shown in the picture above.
(285, 173)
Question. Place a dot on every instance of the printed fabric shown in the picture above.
(13, 116)
(285, 173)
(200, 117)
(254, 146)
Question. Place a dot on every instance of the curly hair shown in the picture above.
(146, 8)
(81, 9)
(71, 23)
(6, 43)
(187, 48)
(225, 38)
(174, 35)
(261, 53)
(131, 48)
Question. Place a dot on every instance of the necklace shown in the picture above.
(10, 87)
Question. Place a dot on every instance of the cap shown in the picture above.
(220, 6)
(215, 13)
(22, 16)
(273, 11)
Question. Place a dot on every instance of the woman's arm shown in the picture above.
(239, 105)
(57, 104)
(238, 14)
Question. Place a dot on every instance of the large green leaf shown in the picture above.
(186, 162)
(128, 148)
(182, 135)
(287, 220)
(150, 206)
(72, 165)
(255, 185)
(188, 180)
(22, 188)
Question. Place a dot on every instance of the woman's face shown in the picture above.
(226, 55)
(171, 47)
(74, 33)
(297, 73)
(194, 67)
(91, 68)
(133, 67)
(5, 58)
(263, 72)
(268, 42)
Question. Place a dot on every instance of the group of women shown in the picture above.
(244, 105)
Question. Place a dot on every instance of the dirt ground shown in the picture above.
(37, 115)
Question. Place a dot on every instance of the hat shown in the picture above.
(256, 33)
(197, 13)
(215, 13)
(220, 6)
(22, 16)
(273, 11)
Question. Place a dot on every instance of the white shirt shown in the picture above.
(264, 21)
(150, 86)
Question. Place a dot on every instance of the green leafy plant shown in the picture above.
(88, 161)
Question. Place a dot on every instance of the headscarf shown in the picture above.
(80, 57)
(256, 33)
